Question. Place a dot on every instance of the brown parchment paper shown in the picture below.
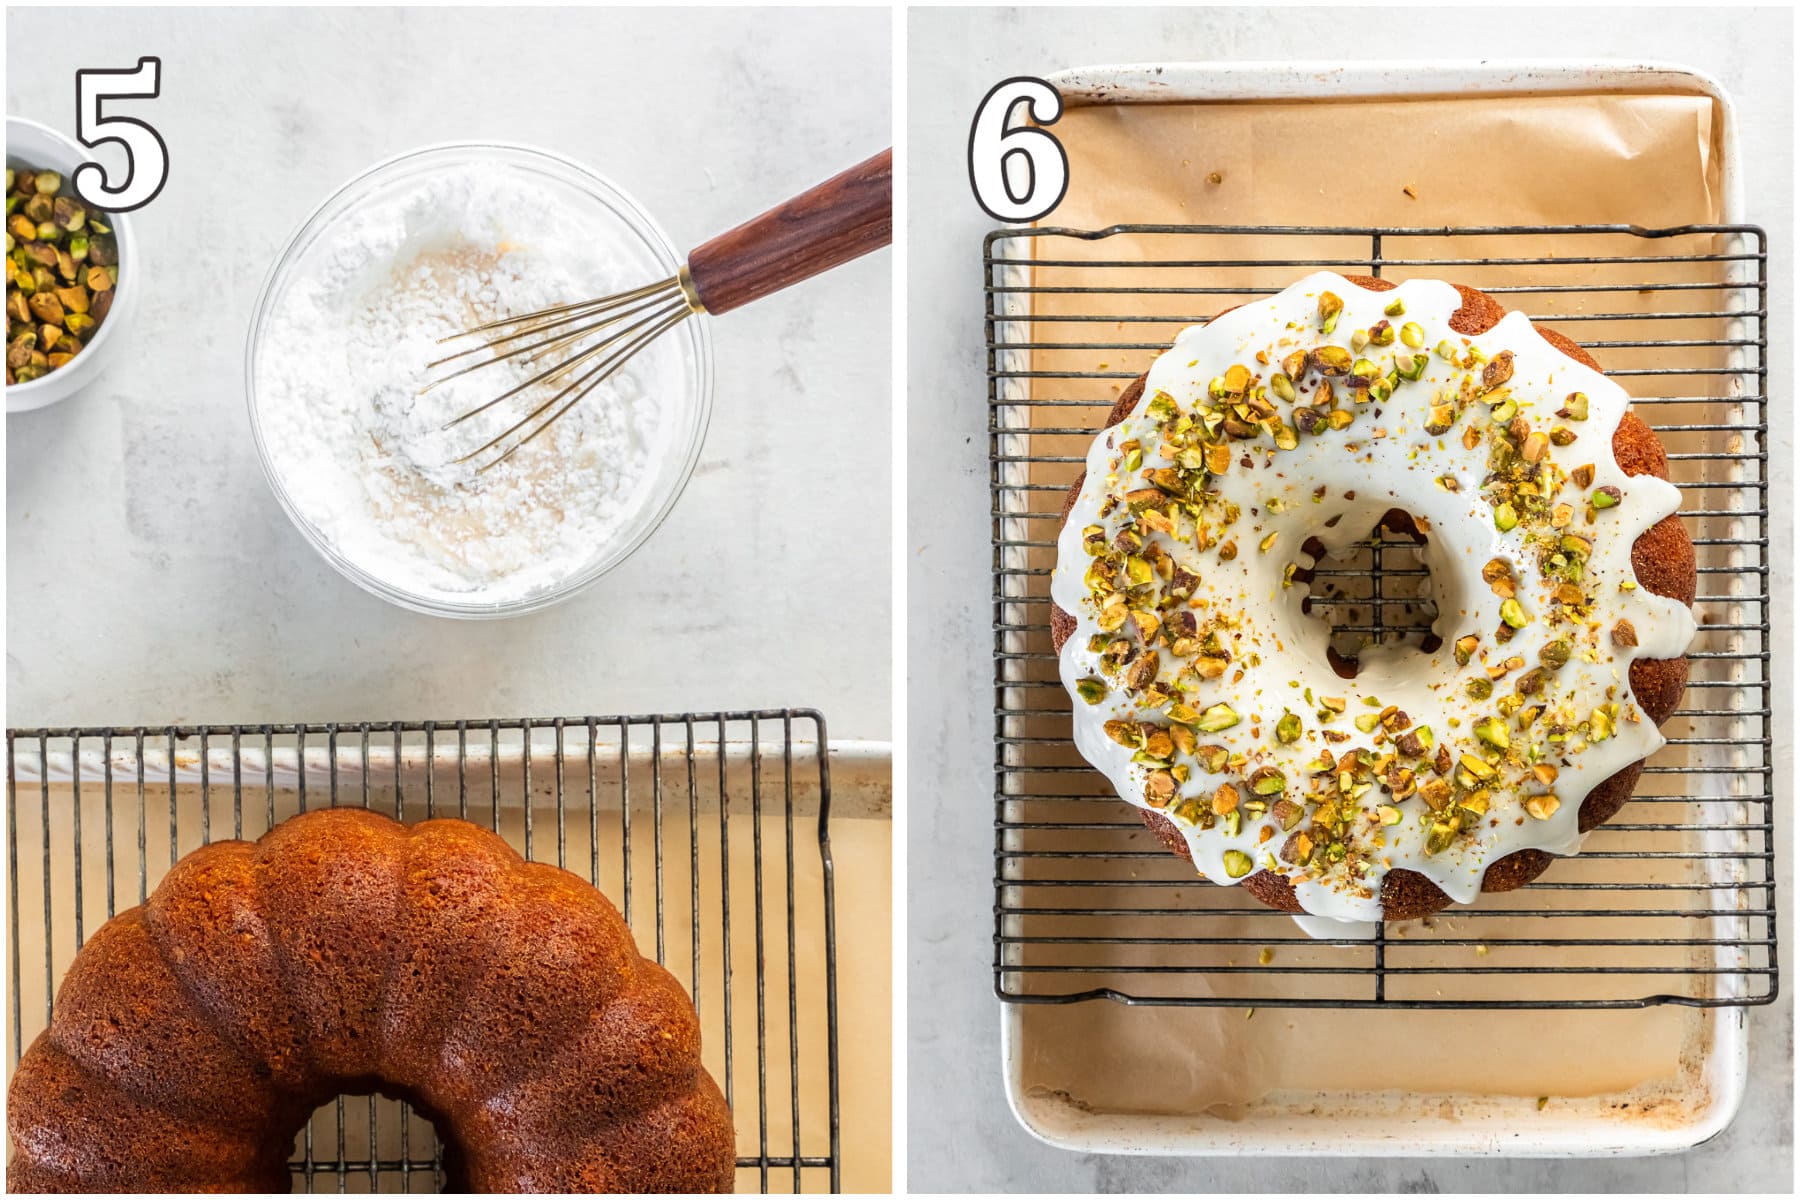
(1649, 160)
(1528, 160)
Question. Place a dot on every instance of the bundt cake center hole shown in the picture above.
(1377, 592)
(431, 1138)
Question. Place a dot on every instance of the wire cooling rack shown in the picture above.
(709, 831)
(1673, 902)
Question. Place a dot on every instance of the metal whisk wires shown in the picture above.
(831, 223)
(622, 324)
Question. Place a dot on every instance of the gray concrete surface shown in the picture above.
(962, 1136)
(152, 576)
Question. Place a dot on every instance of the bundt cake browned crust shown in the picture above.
(345, 953)
(1663, 557)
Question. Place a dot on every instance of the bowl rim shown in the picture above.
(698, 338)
(19, 394)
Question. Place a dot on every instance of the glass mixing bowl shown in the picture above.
(688, 345)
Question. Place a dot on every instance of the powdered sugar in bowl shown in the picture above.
(413, 250)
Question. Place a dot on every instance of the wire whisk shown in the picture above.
(586, 342)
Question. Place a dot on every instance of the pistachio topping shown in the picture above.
(62, 268)
(1330, 305)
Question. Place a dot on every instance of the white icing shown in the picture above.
(1385, 460)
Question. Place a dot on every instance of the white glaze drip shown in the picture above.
(1384, 460)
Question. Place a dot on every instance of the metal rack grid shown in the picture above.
(1673, 902)
(715, 788)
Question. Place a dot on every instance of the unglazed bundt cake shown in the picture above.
(1281, 434)
(345, 953)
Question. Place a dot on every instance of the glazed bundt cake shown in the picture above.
(345, 953)
(1282, 433)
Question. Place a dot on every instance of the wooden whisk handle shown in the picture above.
(843, 218)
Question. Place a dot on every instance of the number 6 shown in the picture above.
(146, 155)
(991, 144)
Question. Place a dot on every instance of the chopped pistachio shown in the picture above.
(1497, 574)
(1498, 370)
(1267, 781)
(1091, 689)
(49, 238)
(1237, 864)
(1477, 768)
(1493, 731)
(1439, 837)
(1331, 361)
(1330, 306)
(1606, 497)
(1218, 717)
(1159, 789)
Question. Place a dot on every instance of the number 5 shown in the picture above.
(991, 144)
(146, 155)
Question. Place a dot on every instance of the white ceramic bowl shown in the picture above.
(690, 344)
(39, 146)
